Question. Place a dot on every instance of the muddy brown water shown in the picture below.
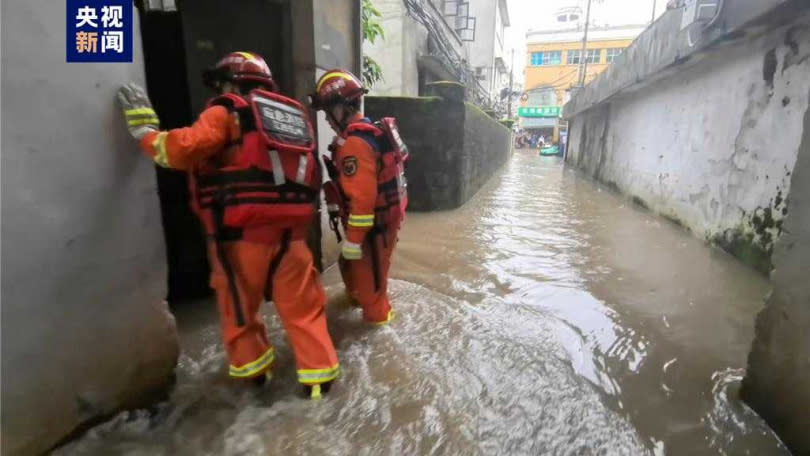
(547, 316)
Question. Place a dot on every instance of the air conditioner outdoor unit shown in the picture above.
(698, 11)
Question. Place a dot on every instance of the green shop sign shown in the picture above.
(539, 111)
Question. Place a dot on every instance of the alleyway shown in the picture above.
(546, 316)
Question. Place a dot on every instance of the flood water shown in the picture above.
(547, 316)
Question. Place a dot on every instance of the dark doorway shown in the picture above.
(213, 28)
(167, 83)
(178, 46)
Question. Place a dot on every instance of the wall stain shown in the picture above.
(612, 186)
(794, 56)
(700, 195)
(640, 202)
(742, 245)
(675, 221)
(603, 141)
(753, 239)
(769, 64)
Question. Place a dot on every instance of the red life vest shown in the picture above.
(267, 175)
(392, 193)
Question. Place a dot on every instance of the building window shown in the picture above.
(449, 7)
(591, 55)
(573, 17)
(546, 58)
(611, 54)
(561, 18)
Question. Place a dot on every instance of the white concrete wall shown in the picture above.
(414, 46)
(405, 40)
(712, 146)
(482, 49)
(84, 327)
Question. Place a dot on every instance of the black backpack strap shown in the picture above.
(373, 233)
(285, 246)
(221, 235)
(247, 122)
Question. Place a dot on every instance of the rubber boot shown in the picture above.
(261, 380)
(316, 391)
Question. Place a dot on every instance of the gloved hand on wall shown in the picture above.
(138, 112)
(351, 251)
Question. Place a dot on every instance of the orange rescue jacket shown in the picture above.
(368, 166)
(251, 162)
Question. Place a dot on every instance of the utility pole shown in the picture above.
(653, 13)
(583, 62)
(509, 95)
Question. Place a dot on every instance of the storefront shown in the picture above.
(541, 120)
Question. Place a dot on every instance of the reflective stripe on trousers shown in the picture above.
(362, 221)
(254, 368)
(315, 376)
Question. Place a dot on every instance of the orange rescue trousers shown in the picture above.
(284, 271)
(366, 279)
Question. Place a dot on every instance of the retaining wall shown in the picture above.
(710, 145)
(454, 147)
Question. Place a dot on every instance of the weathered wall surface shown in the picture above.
(84, 327)
(454, 148)
(487, 146)
(778, 381)
(712, 146)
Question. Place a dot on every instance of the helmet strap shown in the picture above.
(342, 122)
(329, 114)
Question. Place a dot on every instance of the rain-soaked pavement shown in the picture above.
(547, 316)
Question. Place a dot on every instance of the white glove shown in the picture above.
(351, 251)
(138, 112)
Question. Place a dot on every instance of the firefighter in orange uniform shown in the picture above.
(367, 192)
(254, 179)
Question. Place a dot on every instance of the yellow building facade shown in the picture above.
(564, 75)
(553, 61)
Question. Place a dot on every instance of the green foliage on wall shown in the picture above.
(372, 30)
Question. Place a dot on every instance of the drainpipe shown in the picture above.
(357, 43)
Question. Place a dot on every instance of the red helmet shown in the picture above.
(336, 86)
(240, 66)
